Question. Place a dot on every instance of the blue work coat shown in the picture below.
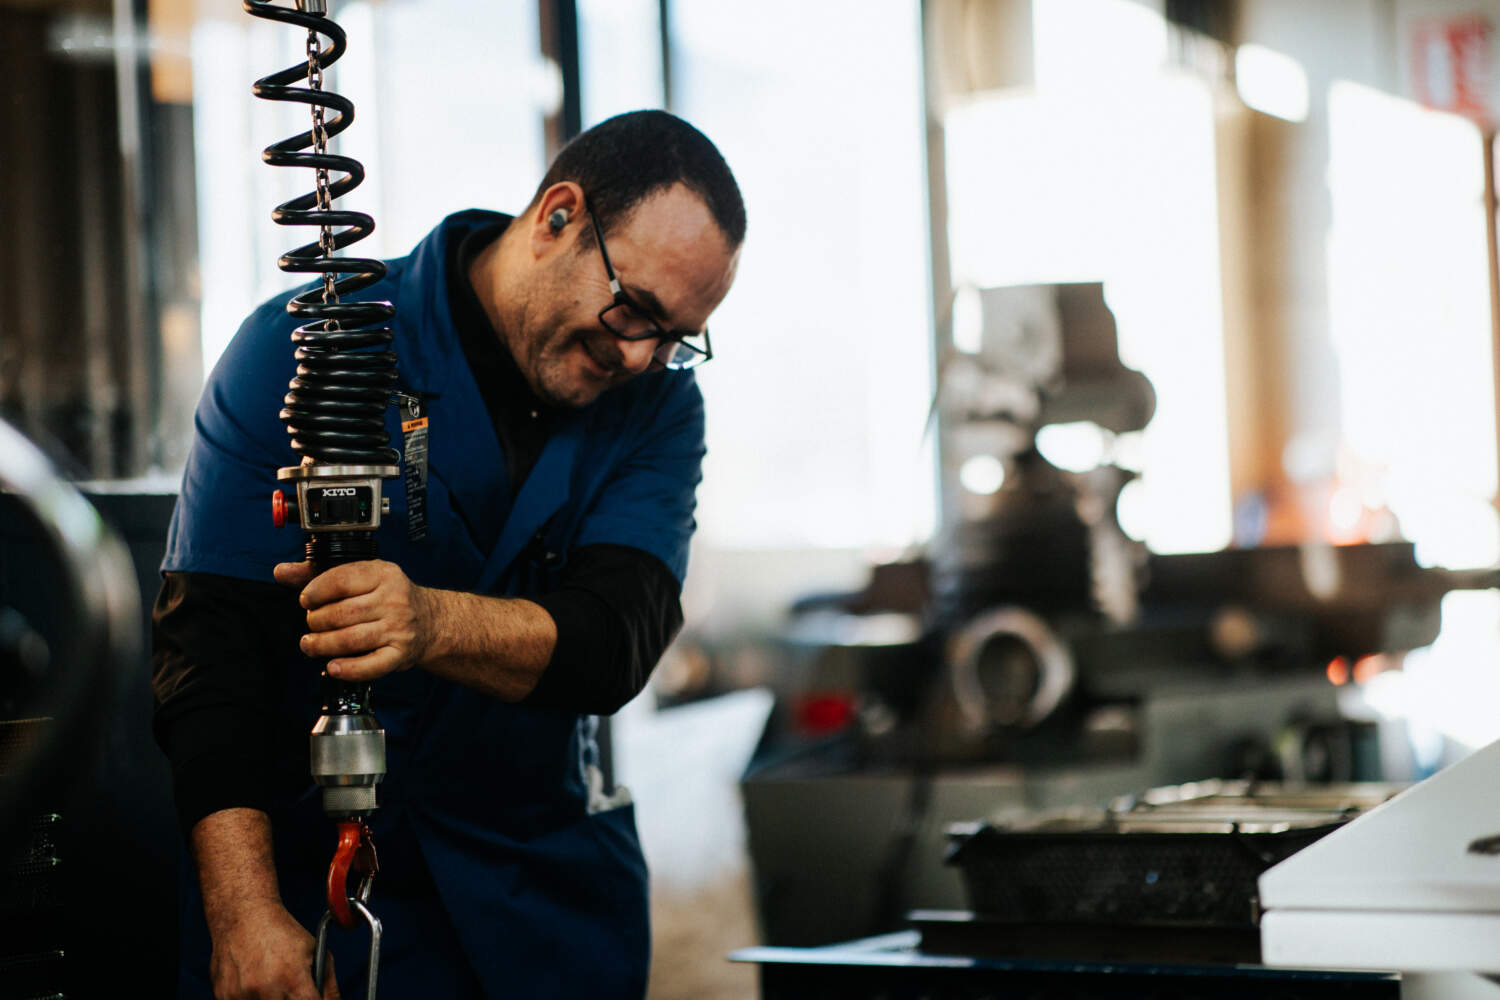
(543, 889)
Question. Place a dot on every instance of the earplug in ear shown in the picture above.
(557, 220)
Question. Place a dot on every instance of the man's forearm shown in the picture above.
(368, 619)
(235, 862)
(496, 645)
(260, 952)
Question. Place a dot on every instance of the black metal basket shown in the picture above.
(1202, 880)
(1169, 859)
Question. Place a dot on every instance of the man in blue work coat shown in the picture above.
(528, 583)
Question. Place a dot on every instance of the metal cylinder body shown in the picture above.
(348, 762)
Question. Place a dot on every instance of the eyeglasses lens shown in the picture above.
(673, 352)
(677, 355)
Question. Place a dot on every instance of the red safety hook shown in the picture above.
(356, 852)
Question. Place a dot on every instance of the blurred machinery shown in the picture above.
(69, 626)
(1036, 656)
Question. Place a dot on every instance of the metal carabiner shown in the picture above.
(320, 954)
(356, 851)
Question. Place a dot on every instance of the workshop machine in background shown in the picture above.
(1037, 657)
(78, 789)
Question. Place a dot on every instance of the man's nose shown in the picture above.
(636, 354)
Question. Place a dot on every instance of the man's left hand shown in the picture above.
(366, 618)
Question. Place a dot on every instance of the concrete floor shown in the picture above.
(682, 767)
(692, 931)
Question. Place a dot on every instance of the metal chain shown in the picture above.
(320, 146)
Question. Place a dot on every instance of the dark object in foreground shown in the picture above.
(900, 967)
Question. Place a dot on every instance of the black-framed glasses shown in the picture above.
(677, 350)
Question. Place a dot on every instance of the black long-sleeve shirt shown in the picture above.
(616, 608)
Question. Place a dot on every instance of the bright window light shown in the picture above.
(1409, 323)
(1116, 185)
(1128, 451)
(1132, 511)
(818, 395)
(982, 475)
(1271, 82)
(1076, 447)
(968, 320)
(1086, 45)
(1409, 316)
(619, 44)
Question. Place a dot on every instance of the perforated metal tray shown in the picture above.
(1182, 856)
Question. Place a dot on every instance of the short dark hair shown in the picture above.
(625, 159)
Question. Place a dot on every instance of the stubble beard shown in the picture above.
(560, 380)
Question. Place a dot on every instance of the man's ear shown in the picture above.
(552, 221)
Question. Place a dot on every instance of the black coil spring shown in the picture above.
(345, 369)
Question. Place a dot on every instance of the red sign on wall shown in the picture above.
(1451, 61)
